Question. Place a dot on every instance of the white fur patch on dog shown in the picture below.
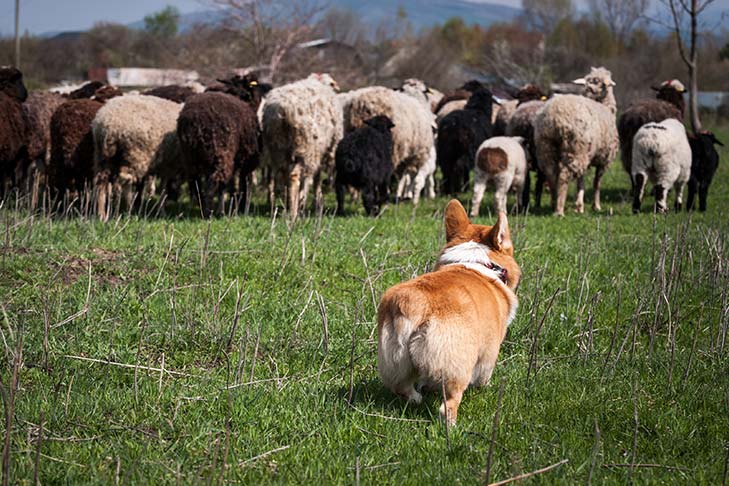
(475, 256)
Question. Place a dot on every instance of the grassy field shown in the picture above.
(178, 350)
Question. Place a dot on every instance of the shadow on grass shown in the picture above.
(370, 397)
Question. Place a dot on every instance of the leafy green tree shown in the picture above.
(163, 23)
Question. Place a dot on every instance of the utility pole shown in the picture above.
(17, 34)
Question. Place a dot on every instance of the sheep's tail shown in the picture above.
(492, 160)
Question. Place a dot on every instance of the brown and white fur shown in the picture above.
(445, 328)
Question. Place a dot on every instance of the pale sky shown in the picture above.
(41, 16)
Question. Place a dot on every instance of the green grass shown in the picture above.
(257, 392)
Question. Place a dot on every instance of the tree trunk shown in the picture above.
(693, 72)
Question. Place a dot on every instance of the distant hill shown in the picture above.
(420, 13)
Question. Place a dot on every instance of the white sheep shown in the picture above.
(302, 125)
(661, 153)
(573, 133)
(411, 186)
(129, 132)
(503, 162)
(412, 135)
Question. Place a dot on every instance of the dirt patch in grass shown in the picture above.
(104, 267)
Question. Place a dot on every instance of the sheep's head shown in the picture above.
(672, 91)
(326, 79)
(472, 86)
(598, 84)
(105, 93)
(530, 92)
(380, 123)
(86, 91)
(417, 89)
(482, 100)
(11, 83)
(247, 88)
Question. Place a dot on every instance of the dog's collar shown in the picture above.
(474, 256)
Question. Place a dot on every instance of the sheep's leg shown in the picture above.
(478, 189)
(401, 185)
(369, 200)
(318, 193)
(340, 190)
(102, 200)
(638, 189)
(692, 186)
(271, 191)
(538, 188)
(580, 201)
(294, 188)
(383, 194)
(703, 194)
(599, 172)
(524, 201)
(430, 187)
(678, 187)
(559, 194)
(418, 184)
(661, 198)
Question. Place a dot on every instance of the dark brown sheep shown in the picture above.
(669, 103)
(72, 145)
(37, 111)
(219, 137)
(174, 92)
(12, 124)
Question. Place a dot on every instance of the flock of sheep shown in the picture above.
(302, 133)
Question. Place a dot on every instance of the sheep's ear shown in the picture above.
(611, 82)
(456, 219)
(715, 140)
(496, 100)
(500, 236)
(580, 81)
(655, 88)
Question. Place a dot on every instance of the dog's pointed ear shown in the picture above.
(456, 219)
(500, 235)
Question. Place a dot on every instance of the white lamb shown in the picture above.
(502, 161)
(422, 181)
(661, 153)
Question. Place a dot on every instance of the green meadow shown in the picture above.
(244, 349)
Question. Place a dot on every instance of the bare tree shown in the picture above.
(270, 28)
(621, 16)
(544, 15)
(687, 45)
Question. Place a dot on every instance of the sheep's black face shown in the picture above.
(473, 86)
(380, 123)
(11, 83)
(481, 100)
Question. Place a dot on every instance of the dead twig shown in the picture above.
(533, 473)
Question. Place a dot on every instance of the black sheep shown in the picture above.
(669, 103)
(364, 162)
(704, 162)
(459, 135)
(12, 123)
(462, 93)
(219, 137)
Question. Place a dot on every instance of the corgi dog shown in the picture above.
(444, 329)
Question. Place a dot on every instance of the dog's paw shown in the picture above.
(450, 420)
